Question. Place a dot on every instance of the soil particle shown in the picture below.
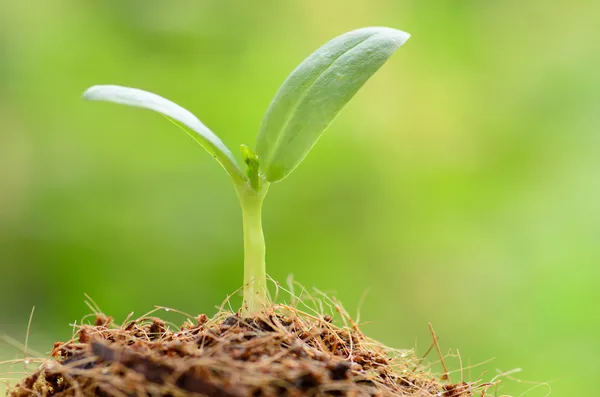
(339, 371)
(279, 353)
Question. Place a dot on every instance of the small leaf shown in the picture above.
(143, 99)
(316, 91)
(252, 168)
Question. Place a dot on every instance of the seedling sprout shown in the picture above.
(302, 109)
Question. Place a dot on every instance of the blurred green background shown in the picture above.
(459, 187)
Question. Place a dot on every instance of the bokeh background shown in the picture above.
(459, 187)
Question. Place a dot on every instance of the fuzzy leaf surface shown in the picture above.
(315, 92)
(144, 99)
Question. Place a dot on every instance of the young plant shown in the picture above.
(302, 109)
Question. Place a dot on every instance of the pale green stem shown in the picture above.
(256, 295)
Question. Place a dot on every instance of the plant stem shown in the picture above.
(256, 294)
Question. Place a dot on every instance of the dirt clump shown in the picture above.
(281, 352)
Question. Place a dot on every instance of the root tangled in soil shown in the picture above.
(281, 352)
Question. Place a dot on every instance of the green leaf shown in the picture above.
(252, 169)
(143, 99)
(316, 91)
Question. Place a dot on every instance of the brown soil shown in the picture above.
(281, 352)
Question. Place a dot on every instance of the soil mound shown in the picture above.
(281, 352)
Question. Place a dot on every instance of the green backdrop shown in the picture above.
(460, 187)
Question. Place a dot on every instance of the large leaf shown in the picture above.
(143, 99)
(316, 91)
